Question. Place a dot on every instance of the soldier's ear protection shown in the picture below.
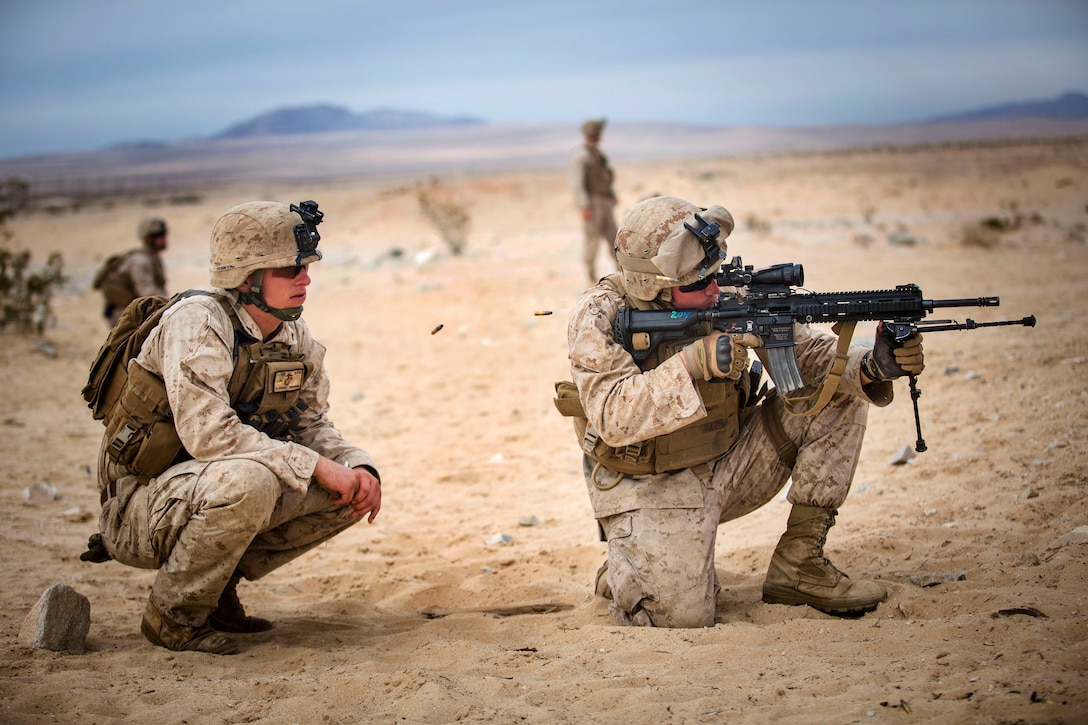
(306, 235)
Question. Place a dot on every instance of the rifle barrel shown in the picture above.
(965, 302)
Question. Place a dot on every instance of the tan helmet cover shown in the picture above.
(251, 236)
(593, 127)
(151, 227)
(653, 242)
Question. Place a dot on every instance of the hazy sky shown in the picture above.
(78, 74)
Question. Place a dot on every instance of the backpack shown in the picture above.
(132, 402)
(109, 370)
(108, 267)
(115, 287)
(137, 418)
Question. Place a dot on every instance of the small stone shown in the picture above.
(1078, 535)
(76, 515)
(903, 455)
(58, 621)
(41, 491)
(1027, 558)
(902, 239)
(934, 579)
(528, 521)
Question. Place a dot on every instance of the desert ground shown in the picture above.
(443, 368)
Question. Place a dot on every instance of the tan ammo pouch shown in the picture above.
(633, 460)
(140, 430)
(271, 382)
(275, 385)
(688, 447)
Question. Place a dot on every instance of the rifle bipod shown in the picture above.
(916, 392)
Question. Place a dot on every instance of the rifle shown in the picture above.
(771, 305)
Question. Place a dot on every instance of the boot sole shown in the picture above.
(782, 595)
(207, 640)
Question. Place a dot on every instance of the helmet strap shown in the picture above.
(254, 296)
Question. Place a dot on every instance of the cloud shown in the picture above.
(77, 74)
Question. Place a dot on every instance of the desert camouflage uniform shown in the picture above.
(661, 528)
(246, 502)
(592, 185)
(141, 272)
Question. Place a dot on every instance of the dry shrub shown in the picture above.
(980, 235)
(25, 295)
(448, 214)
(987, 232)
(757, 225)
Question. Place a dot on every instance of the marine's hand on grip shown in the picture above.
(719, 355)
(891, 358)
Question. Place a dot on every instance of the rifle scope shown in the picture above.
(786, 274)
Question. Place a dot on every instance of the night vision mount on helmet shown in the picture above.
(306, 235)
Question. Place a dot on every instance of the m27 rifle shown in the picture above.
(767, 303)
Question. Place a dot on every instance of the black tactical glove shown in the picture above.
(890, 359)
(719, 355)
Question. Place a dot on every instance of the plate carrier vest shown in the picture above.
(690, 446)
(263, 390)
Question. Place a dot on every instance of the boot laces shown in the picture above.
(818, 546)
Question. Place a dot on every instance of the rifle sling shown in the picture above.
(830, 384)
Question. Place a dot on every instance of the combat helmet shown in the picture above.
(665, 242)
(259, 235)
(593, 126)
(151, 227)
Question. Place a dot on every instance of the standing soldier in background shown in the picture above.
(136, 273)
(594, 196)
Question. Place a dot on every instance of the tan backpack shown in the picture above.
(143, 432)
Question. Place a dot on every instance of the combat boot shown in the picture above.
(800, 574)
(230, 616)
(600, 584)
(165, 632)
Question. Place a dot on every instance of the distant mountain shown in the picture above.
(321, 118)
(1070, 105)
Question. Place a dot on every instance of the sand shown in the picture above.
(980, 540)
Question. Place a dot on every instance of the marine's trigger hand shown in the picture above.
(719, 355)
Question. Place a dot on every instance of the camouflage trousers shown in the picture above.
(199, 523)
(661, 560)
(598, 230)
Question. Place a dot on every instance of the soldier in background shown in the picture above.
(136, 273)
(594, 196)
